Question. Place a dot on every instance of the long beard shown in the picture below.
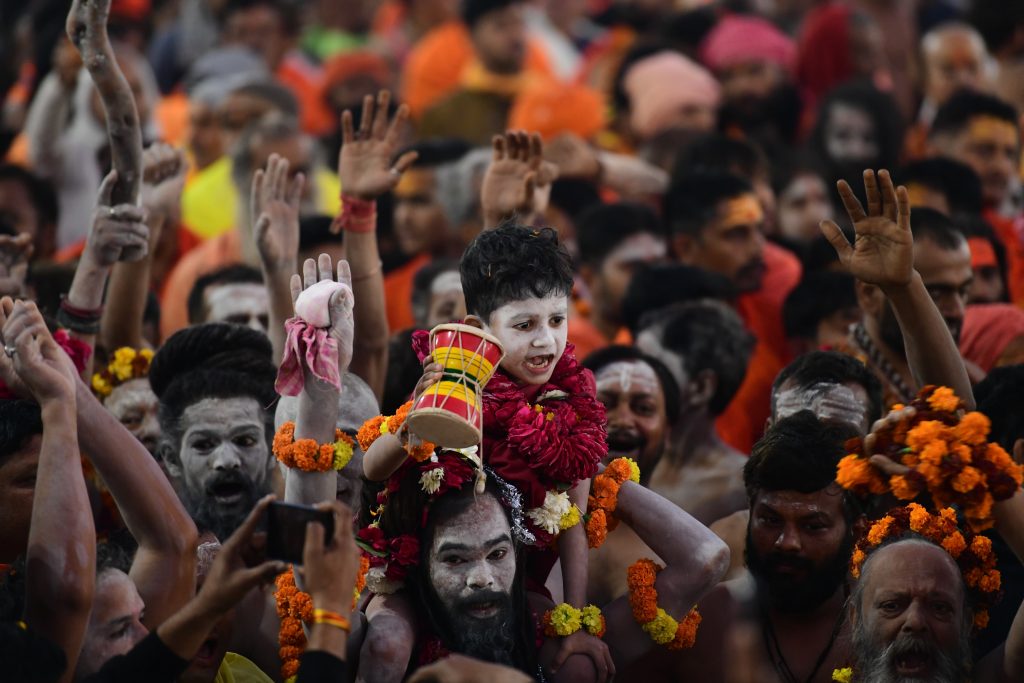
(803, 595)
(493, 639)
(877, 664)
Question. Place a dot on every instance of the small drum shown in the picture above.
(450, 413)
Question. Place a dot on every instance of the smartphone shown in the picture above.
(286, 529)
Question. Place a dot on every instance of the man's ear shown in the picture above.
(474, 321)
(870, 299)
(684, 246)
(702, 388)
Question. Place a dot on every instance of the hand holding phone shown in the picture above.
(286, 529)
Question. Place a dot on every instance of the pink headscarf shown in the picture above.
(662, 84)
(988, 330)
(737, 39)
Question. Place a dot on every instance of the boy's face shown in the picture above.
(533, 333)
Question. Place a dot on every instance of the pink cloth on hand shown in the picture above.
(317, 347)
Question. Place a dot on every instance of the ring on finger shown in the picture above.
(9, 350)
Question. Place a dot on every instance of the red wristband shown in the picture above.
(357, 215)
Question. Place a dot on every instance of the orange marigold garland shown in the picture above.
(972, 553)
(376, 427)
(604, 498)
(309, 456)
(659, 625)
(948, 455)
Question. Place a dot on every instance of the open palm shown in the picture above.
(518, 181)
(275, 202)
(364, 163)
(883, 249)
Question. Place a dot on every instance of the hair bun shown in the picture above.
(211, 346)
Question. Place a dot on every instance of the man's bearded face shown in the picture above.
(798, 547)
(471, 568)
(910, 624)
(224, 462)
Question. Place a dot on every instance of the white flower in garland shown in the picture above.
(549, 516)
(430, 481)
(377, 583)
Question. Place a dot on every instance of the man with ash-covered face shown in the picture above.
(466, 584)
(215, 384)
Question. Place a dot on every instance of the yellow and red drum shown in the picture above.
(450, 412)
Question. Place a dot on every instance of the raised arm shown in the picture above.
(883, 255)
(87, 28)
(163, 179)
(114, 231)
(517, 184)
(694, 556)
(318, 401)
(366, 172)
(60, 568)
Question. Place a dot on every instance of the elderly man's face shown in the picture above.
(911, 623)
(471, 566)
(632, 395)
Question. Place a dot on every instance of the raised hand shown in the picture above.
(163, 179)
(341, 303)
(883, 252)
(15, 253)
(44, 371)
(274, 204)
(118, 233)
(364, 163)
(518, 181)
(573, 156)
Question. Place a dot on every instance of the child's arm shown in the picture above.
(387, 453)
(573, 553)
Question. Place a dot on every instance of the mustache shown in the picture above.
(229, 478)
(625, 439)
(483, 598)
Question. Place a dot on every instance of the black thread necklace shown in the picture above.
(771, 643)
(860, 336)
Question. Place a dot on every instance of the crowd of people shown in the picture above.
(754, 272)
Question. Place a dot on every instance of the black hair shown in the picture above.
(720, 153)
(437, 151)
(236, 273)
(27, 656)
(660, 285)
(421, 283)
(285, 10)
(1000, 397)
(885, 116)
(693, 199)
(707, 335)
(953, 116)
(820, 254)
(40, 191)
(110, 555)
(602, 228)
(511, 263)
(957, 182)
(834, 368)
(799, 453)
(996, 20)
(927, 223)
(574, 196)
(213, 360)
(475, 10)
(20, 420)
(618, 353)
(818, 295)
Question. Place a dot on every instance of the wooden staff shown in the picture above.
(87, 28)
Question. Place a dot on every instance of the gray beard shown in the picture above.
(208, 516)
(876, 664)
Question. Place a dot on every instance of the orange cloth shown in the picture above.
(171, 114)
(212, 254)
(554, 110)
(585, 336)
(782, 273)
(1011, 233)
(434, 67)
(398, 289)
(306, 83)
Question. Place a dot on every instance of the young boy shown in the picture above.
(543, 428)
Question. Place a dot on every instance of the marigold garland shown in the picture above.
(948, 456)
(658, 624)
(972, 553)
(844, 675)
(604, 498)
(309, 456)
(376, 427)
(564, 620)
(125, 365)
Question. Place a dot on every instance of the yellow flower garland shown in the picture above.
(125, 365)
(564, 620)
